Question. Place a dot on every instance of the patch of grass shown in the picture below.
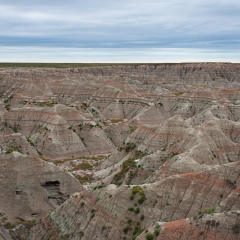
(132, 128)
(99, 187)
(137, 189)
(116, 120)
(8, 225)
(83, 166)
(9, 150)
(46, 104)
(178, 93)
(28, 224)
(85, 179)
(208, 210)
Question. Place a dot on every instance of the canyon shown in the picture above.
(147, 151)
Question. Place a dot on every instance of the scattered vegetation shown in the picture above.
(129, 163)
(83, 166)
(137, 231)
(135, 210)
(7, 107)
(140, 191)
(85, 105)
(31, 142)
(130, 146)
(28, 224)
(207, 210)
(46, 104)
(85, 179)
(8, 225)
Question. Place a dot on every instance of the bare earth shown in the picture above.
(120, 152)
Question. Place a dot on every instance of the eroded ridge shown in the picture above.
(120, 152)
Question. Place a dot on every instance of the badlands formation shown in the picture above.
(120, 152)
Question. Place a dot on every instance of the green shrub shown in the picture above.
(125, 229)
(156, 232)
(137, 231)
(130, 146)
(149, 236)
(129, 221)
(9, 150)
(139, 190)
(39, 153)
(137, 210)
(236, 228)
(99, 187)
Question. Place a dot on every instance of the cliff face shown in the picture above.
(120, 152)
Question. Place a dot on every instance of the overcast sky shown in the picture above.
(119, 30)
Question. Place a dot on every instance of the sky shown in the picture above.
(119, 31)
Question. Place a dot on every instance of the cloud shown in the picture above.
(121, 24)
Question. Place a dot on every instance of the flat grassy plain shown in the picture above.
(79, 65)
(56, 65)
